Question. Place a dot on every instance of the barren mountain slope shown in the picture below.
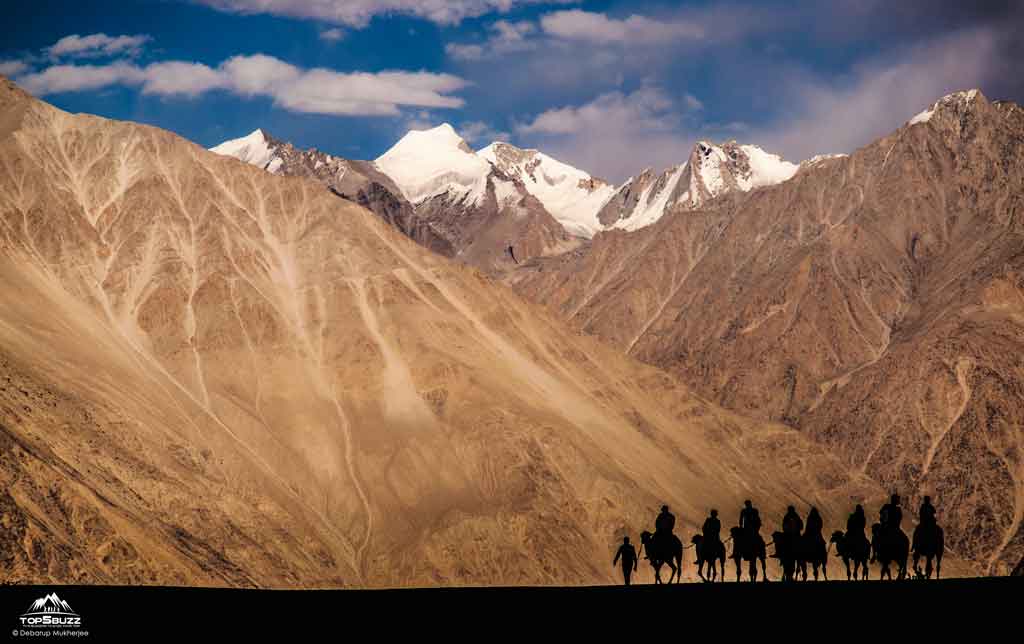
(875, 301)
(358, 181)
(213, 375)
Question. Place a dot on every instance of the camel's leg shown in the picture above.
(764, 569)
(824, 569)
(938, 566)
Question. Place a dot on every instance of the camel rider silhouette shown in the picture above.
(663, 526)
(814, 523)
(792, 524)
(925, 523)
(712, 530)
(856, 524)
(892, 515)
(926, 515)
(628, 556)
(750, 519)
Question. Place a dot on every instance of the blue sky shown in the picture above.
(610, 86)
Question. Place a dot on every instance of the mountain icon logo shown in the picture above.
(49, 605)
(50, 611)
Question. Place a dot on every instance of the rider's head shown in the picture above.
(625, 539)
(714, 513)
(791, 509)
(860, 509)
(927, 499)
(747, 503)
(895, 498)
(664, 508)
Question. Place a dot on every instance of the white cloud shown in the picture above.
(615, 134)
(12, 67)
(358, 13)
(96, 45)
(505, 38)
(693, 103)
(512, 32)
(422, 120)
(647, 108)
(879, 96)
(332, 35)
(323, 91)
(589, 26)
(320, 91)
(480, 132)
(601, 48)
(185, 79)
(464, 52)
(259, 74)
(76, 78)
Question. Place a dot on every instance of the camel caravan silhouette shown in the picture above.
(800, 546)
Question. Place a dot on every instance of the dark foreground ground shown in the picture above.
(723, 612)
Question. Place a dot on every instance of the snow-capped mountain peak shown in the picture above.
(572, 196)
(957, 100)
(425, 163)
(437, 162)
(256, 148)
(710, 171)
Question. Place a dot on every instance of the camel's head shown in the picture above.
(837, 537)
(645, 537)
(696, 539)
(736, 531)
